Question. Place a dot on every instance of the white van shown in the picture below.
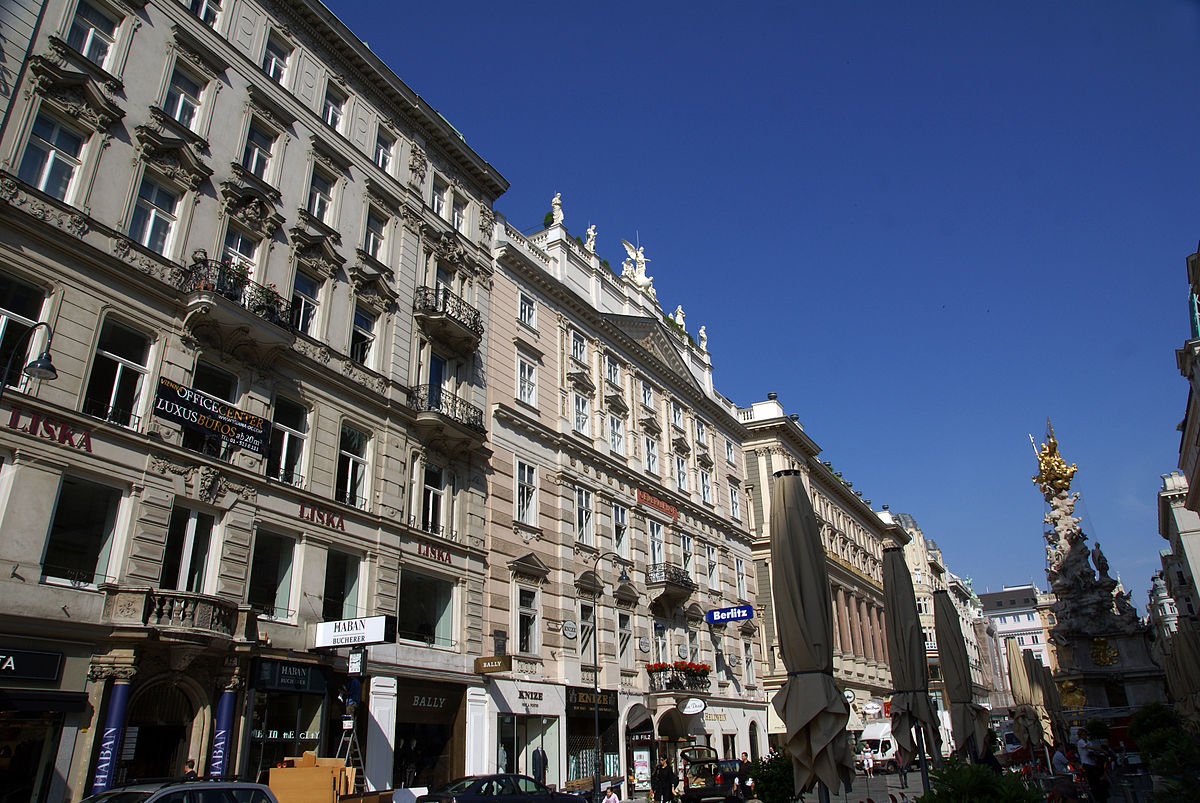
(878, 737)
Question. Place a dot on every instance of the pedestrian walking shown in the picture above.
(868, 759)
(662, 783)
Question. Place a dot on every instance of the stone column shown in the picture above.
(856, 626)
(837, 618)
(879, 629)
(381, 733)
(844, 621)
(865, 623)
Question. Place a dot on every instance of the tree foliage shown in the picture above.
(959, 782)
(1170, 749)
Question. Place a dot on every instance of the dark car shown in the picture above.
(487, 788)
(175, 791)
(707, 778)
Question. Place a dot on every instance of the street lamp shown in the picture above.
(624, 578)
(42, 367)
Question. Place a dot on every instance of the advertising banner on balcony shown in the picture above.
(211, 416)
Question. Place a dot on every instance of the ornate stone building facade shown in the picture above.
(265, 264)
(617, 520)
(853, 536)
(1179, 526)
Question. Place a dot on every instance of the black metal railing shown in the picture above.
(434, 399)
(233, 282)
(285, 475)
(439, 300)
(350, 497)
(667, 573)
(114, 415)
(678, 680)
(439, 530)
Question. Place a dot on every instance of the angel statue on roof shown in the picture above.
(634, 268)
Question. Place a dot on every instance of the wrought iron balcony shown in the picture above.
(435, 399)
(668, 586)
(677, 680)
(667, 573)
(448, 316)
(232, 281)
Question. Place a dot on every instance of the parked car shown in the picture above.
(486, 788)
(176, 791)
(707, 778)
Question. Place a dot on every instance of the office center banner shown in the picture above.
(211, 416)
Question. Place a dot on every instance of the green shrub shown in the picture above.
(773, 780)
(1170, 749)
(548, 220)
(958, 782)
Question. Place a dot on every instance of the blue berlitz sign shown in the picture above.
(737, 613)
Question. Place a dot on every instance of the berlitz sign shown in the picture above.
(737, 613)
(349, 632)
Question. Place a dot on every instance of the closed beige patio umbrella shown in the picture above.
(810, 703)
(911, 706)
(1035, 671)
(1060, 728)
(1026, 725)
(968, 719)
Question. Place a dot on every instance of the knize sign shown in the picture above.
(348, 632)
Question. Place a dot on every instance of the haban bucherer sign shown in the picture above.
(211, 416)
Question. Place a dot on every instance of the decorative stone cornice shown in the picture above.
(251, 206)
(77, 95)
(371, 280)
(15, 193)
(171, 156)
(316, 251)
(529, 567)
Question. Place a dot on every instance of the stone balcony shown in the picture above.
(445, 421)
(179, 614)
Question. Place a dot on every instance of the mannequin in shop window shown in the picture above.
(538, 764)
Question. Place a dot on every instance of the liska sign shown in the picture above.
(352, 632)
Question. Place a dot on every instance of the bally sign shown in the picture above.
(348, 632)
(211, 416)
(737, 613)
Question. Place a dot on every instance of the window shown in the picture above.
(651, 456)
(681, 473)
(701, 432)
(340, 600)
(687, 549)
(583, 415)
(917, 575)
(373, 239)
(351, 482)
(275, 59)
(240, 249)
(289, 428)
(458, 214)
(320, 196)
(578, 346)
(206, 10)
(270, 589)
(693, 645)
(587, 628)
(334, 108)
(362, 336)
(730, 454)
(620, 516)
(114, 389)
(526, 381)
(660, 642)
(647, 394)
(677, 414)
(219, 384)
(183, 98)
(739, 569)
(527, 615)
(427, 611)
(705, 487)
(154, 215)
(584, 525)
(92, 33)
(1034, 639)
(526, 511)
(20, 308)
(735, 504)
(616, 434)
(51, 157)
(81, 532)
(748, 661)
(439, 198)
(711, 570)
(612, 369)
(655, 530)
(625, 640)
(384, 146)
(189, 535)
(433, 498)
(527, 311)
(256, 155)
(304, 302)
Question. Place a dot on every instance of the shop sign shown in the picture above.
(326, 518)
(737, 613)
(662, 506)
(40, 426)
(872, 708)
(349, 632)
(644, 644)
(211, 416)
(30, 665)
(435, 552)
(692, 705)
(289, 676)
(583, 701)
(493, 663)
(715, 716)
(570, 629)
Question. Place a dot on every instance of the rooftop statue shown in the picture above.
(556, 207)
(678, 317)
(1054, 474)
(702, 336)
(635, 270)
(590, 243)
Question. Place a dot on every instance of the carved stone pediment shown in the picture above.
(170, 127)
(529, 567)
(703, 458)
(650, 424)
(316, 252)
(582, 381)
(173, 157)
(652, 336)
(680, 445)
(588, 583)
(694, 613)
(248, 204)
(67, 57)
(264, 107)
(197, 53)
(77, 95)
(615, 402)
(372, 282)
(449, 250)
(626, 595)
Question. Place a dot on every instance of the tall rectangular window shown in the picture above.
(333, 109)
(304, 302)
(427, 610)
(526, 381)
(241, 250)
(351, 483)
(362, 336)
(183, 98)
(439, 198)
(256, 154)
(748, 661)
(585, 531)
(677, 414)
(458, 214)
(320, 196)
(578, 346)
(154, 215)
(647, 394)
(730, 454)
(219, 384)
(693, 645)
(687, 548)
(384, 147)
(114, 389)
(373, 239)
(612, 369)
(92, 33)
(340, 600)
(527, 311)
(587, 629)
(705, 487)
(51, 157)
(735, 504)
(270, 588)
(433, 499)
(20, 307)
(81, 532)
(583, 415)
(275, 59)
(661, 653)
(711, 565)
(289, 429)
(625, 639)
(701, 432)
(206, 10)
(739, 569)
(185, 559)
(651, 456)
(616, 434)
(657, 552)
(526, 511)
(527, 617)
(620, 515)
(681, 478)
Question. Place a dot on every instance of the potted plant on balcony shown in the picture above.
(234, 276)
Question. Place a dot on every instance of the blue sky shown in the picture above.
(926, 226)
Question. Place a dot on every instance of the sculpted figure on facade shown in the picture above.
(678, 316)
(634, 269)
(556, 207)
(702, 335)
(590, 242)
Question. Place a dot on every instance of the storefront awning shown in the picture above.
(65, 702)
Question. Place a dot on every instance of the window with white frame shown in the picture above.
(687, 550)
(114, 389)
(183, 98)
(333, 108)
(526, 380)
(270, 589)
(92, 33)
(256, 154)
(527, 311)
(527, 620)
(693, 645)
(458, 213)
(654, 530)
(735, 503)
(275, 59)
(583, 415)
(426, 611)
(677, 414)
(362, 336)
(612, 370)
(625, 639)
(748, 662)
(711, 566)
(620, 515)
(154, 215)
(578, 346)
(705, 487)
(20, 307)
(616, 434)
(305, 290)
(385, 146)
(340, 598)
(52, 156)
(438, 199)
(587, 628)
(206, 10)
(240, 249)
(79, 545)
(185, 558)
(373, 238)
(730, 454)
(681, 473)
(433, 499)
(351, 482)
(585, 529)
(651, 455)
(220, 384)
(526, 501)
(647, 394)
(289, 429)
(739, 571)
(320, 196)
(661, 651)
